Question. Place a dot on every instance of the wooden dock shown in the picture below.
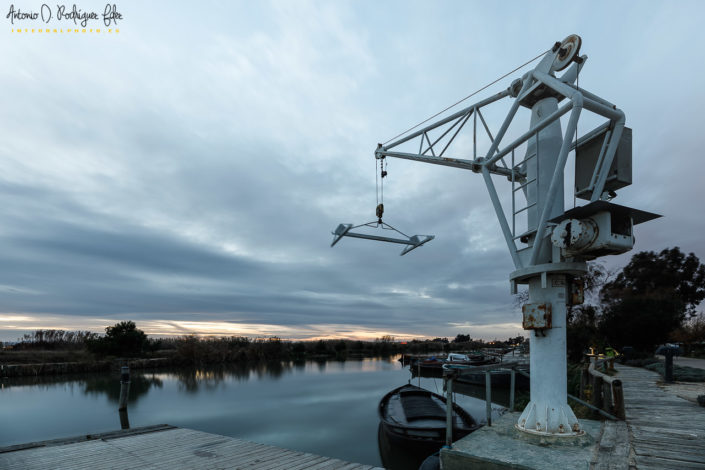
(162, 447)
(665, 431)
(661, 431)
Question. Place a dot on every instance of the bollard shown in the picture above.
(124, 387)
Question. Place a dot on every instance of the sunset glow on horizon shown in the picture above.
(14, 326)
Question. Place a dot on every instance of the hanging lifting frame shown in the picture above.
(413, 242)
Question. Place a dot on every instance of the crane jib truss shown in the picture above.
(537, 82)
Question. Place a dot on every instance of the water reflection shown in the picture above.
(124, 421)
(273, 370)
(395, 457)
(193, 380)
(140, 384)
(322, 407)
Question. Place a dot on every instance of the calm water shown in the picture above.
(328, 408)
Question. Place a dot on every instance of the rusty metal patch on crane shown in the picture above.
(536, 316)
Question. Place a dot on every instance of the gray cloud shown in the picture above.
(167, 177)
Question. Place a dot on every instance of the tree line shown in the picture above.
(652, 300)
(124, 339)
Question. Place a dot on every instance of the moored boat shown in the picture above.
(500, 379)
(432, 366)
(413, 423)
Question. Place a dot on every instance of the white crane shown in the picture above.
(548, 245)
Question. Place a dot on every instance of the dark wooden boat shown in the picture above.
(413, 424)
(433, 366)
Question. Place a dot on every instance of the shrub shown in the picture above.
(55, 340)
(680, 373)
(641, 362)
(121, 339)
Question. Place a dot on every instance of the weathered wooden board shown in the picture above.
(666, 431)
(163, 448)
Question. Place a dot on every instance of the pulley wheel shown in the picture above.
(570, 48)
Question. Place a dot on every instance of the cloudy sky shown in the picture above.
(186, 172)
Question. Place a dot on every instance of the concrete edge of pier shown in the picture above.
(502, 446)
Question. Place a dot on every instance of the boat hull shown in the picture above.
(412, 426)
(499, 380)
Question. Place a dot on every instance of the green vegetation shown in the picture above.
(52, 340)
(691, 335)
(657, 292)
(680, 373)
(651, 301)
(582, 412)
(122, 339)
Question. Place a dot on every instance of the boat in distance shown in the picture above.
(432, 366)
(413, 422)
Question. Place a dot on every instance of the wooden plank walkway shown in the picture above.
(665, 431)
(162, 448)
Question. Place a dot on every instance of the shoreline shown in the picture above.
(114, 365)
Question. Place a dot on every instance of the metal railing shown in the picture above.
(605, 392)
(451, 373)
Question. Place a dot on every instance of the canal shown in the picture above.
(327, 408)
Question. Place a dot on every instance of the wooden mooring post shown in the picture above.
(124, 393)
(124, 387)
(124, 419)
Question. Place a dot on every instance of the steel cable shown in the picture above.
(469, 96)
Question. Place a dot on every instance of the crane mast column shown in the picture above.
(548, 411)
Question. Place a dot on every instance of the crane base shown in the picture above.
(549, 419)
(502, 446)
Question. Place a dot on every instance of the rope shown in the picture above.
(469, 96)
(382, 175)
